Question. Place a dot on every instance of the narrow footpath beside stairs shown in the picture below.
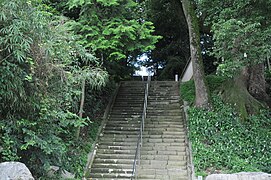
(163, 155)
(117, 143)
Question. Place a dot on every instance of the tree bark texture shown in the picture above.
(235, 91)
(202, 95)
(257, 84)
(81, 109)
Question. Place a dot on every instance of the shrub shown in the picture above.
(222, 142)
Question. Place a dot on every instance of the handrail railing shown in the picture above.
(140, 137)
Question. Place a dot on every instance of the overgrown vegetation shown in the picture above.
(57, 73)
(221, 141)
(42, 67)
(188, 89)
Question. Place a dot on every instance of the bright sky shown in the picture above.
(143, 70)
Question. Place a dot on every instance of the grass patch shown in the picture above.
(188, 88)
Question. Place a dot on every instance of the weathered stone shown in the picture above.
(64, 174)
(14, 171)
(240, 176)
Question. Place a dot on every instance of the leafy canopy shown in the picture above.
(42, 66)
(114, 29)
(241, 32)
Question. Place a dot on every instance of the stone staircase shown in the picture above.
(117, 142)
(163, 155)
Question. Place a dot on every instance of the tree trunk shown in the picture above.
(202, 95)
(81, 109)
(257, 84)
(235, 91)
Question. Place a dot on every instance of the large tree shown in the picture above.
(116, 31)
(202, 95)
(172, 51)
(242, 42)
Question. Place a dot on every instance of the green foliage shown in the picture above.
(215, 82)
(239, 27)
(221, 142)
(113, 29)
(188, 91)
(188, 88)
(42, 66)
(268, 81)
(172, 51)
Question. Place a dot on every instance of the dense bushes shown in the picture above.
(222, 142)
(42, 67)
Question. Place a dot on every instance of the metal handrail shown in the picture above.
(140, 137)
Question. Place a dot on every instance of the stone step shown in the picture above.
(122, 125)
(122, 128)
(176, 134)
(111, 176)
(161, 136)
(116, 132)
(163, 129)
(127, 105)
(162, 174)
(162, 98)
(168, 153)
(118, 147)
(168, 114)
(115, 156)
(135, 99)
(124, 114)
(163, 110)
(165, 116)
(167, 147)
(164, 106)
(157, 125)
(120, 161)
(118, 136)
(162, 146)
(117, 151)
(131, 93)
(112, 166)
(174, 120)
(162, 91)
(129, 101)
(134, 85)
(118, 139)
(117, 143)
(126, 118)
(111, 170)
(172, 105)
(166, 121)
(162, 103)
(163, 157)
(166, 163)
(127, 109)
